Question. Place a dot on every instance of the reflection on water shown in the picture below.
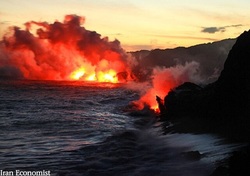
(39, 121)
(74, 128)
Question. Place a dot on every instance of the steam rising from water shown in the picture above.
(165, 79)
(67, 51)
(61, 51)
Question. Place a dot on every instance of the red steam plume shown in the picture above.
(165, 79)
(62, 51)
(67, 51)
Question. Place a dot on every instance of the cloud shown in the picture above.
(236, 25)
(212, 30)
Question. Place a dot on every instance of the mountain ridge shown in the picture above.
(210, 56)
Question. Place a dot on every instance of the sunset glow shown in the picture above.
(85, 41)
(145, 24)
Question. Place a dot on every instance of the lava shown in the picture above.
(62, 51)
(67, 51)
(77, 74)
(165, 79)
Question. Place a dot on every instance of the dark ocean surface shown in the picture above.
(79, 128)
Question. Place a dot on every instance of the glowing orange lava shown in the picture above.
(102, 76)
(91, 78)
(109, 76)
(155, 108)
(77, 74)
(62, 51)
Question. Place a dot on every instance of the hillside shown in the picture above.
(210, 56)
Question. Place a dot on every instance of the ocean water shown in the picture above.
(79, 128)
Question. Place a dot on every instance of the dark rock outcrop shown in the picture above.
(222, 107)
(182, 100)
(224, 103)
(232, 89)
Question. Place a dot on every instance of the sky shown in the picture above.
(139, 24)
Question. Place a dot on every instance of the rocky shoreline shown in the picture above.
(222, 107)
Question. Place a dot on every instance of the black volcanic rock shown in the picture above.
(224, 103)
(233, 86)
(221, 107)
(182, 100)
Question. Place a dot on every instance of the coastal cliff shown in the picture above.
(221, 107)
(224, 102)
